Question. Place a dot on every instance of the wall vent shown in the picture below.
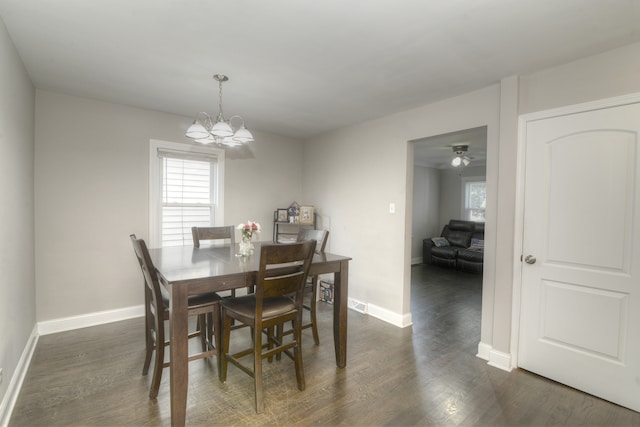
(357, 305)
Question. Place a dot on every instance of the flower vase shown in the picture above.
(246, 247)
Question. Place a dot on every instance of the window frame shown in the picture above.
(464, 182)
(155, 182)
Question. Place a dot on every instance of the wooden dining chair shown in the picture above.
(283, 270)
(213, 233)
(205, 306)
(311, 286)
(222, 233)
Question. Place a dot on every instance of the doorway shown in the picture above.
(439, 188)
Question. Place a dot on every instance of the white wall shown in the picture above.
(354, 173)
(17, 289)
(612, 73)
(91, 189)
(426, 196)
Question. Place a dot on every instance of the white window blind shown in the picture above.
(186, 189)
(187, 181)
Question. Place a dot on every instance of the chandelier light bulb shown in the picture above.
(243, 135)
(208, 140)
(197, 131)
(221, 128)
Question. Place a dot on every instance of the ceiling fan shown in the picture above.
(460, 158)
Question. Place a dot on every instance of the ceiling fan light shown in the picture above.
(197, 131)
(459, 158)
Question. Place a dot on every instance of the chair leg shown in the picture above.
(147, 360)
(215, 332)
(202, 328)
(312, 304)
(224, 349)
(148, 352)
(270, 336)
(210, 328)
(297, 353)
(157, 366)
(257, 369)
(279, 337)
(148, 324)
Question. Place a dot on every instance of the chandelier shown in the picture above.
(207, 130)
(460, 158)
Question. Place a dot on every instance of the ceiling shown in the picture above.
(437, 151)
(301, 68)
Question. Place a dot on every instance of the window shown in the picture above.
(185, 184)
(475, 200)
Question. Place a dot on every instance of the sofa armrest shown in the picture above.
(427, 244)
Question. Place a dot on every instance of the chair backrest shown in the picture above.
(320, 236)
(150, 275)
(283, 269)
(213, 233)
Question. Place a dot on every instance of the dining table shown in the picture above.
(187, 270)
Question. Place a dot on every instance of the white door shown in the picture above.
(580, 300)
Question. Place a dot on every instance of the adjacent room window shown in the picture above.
(185, 191)
(475, 200)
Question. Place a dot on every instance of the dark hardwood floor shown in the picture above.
(426, 374)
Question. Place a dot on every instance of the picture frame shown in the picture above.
(294, 211)
(282, 215)
(307, 215)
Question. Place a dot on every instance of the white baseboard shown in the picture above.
(89, 319)
(494, 358)
(417, 260)
(10, 397)
(483, 351)
(388, 316)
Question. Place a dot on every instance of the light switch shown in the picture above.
(392, 208)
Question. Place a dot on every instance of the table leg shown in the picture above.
(341, 292)
(179, 368)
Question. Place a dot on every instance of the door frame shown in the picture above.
(523, 121)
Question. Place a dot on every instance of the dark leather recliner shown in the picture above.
(457, 254)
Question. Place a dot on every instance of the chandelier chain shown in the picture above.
(220, 97)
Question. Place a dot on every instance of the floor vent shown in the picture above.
(357, 305)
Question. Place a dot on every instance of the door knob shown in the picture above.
(530, 259)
